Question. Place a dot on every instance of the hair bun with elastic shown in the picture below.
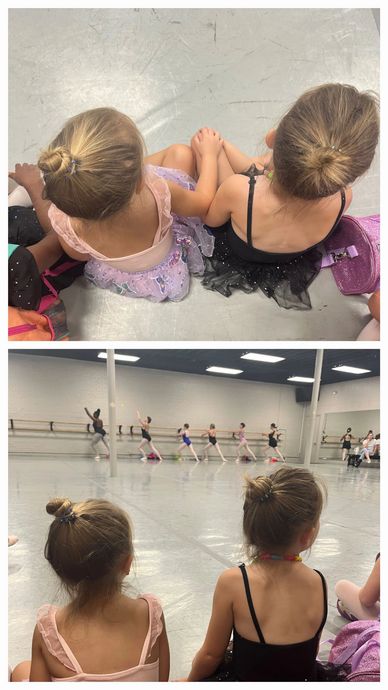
(259, 489)
(56, 161)
(58, 506)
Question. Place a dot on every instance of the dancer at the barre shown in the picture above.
(212, 441)
(146, 438)
(186, 442)
(273, 438)
(99, 432)
(346, 443)
(243, 443)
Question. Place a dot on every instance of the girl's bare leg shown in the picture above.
(179, 451)
(142, 444)
(178, 156)
(193, 452)
(344, 453)
(266, 450)
(106, 444)
(220, 453)
(251, 453)
(279, 454)
(155, 450)
(205, 451)
(240, 445)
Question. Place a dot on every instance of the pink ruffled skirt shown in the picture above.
(170, 279)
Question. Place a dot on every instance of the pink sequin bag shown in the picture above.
(358, 645)
(353, 254)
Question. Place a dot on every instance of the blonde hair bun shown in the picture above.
(55, 161)
(58, 506)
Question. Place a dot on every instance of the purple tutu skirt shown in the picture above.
(170, 279)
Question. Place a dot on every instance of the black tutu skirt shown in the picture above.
(286, 283)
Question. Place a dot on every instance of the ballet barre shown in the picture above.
(124, 430)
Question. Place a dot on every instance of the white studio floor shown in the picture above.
(187, 524)
(174, 71)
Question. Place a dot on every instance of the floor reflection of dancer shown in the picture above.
(346, 443)
(243, 443)
(212, 441)
(99, 431)
(273, 438)
(186, 442)
(146, 438)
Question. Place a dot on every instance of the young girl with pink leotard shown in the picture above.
(134, 219)
(101, 634)
(243, 443)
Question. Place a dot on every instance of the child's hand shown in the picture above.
(27, 175)
(206, 142)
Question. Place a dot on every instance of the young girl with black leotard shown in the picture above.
(186, 442)
(212, 441)
(146, 437)
(273, 437)
(271, 212)
(276, 605)
(99, 431)
(346, 443)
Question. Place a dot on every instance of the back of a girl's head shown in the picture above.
(86, 545)
(326, 141)
(212, 426)
(149, 420)
(92, 168)
(279, 507)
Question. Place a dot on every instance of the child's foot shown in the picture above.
(143, 458)
(344, 612)
(12, 539)
(97, 458)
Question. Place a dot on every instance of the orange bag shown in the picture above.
(51, 324)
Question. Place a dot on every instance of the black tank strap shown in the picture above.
(252, 173)
(250, 603)
(324, 587)
(343, 202)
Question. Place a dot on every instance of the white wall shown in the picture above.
(51, 388)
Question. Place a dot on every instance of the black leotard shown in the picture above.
(212, 440)
(98, 428)
(145, 434)
(237, 264)
(260, 661)
(272, 441)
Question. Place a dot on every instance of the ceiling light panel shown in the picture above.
(256, 357)
(351, 370)
(300, 379)
(119, 358)
(224, 370)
